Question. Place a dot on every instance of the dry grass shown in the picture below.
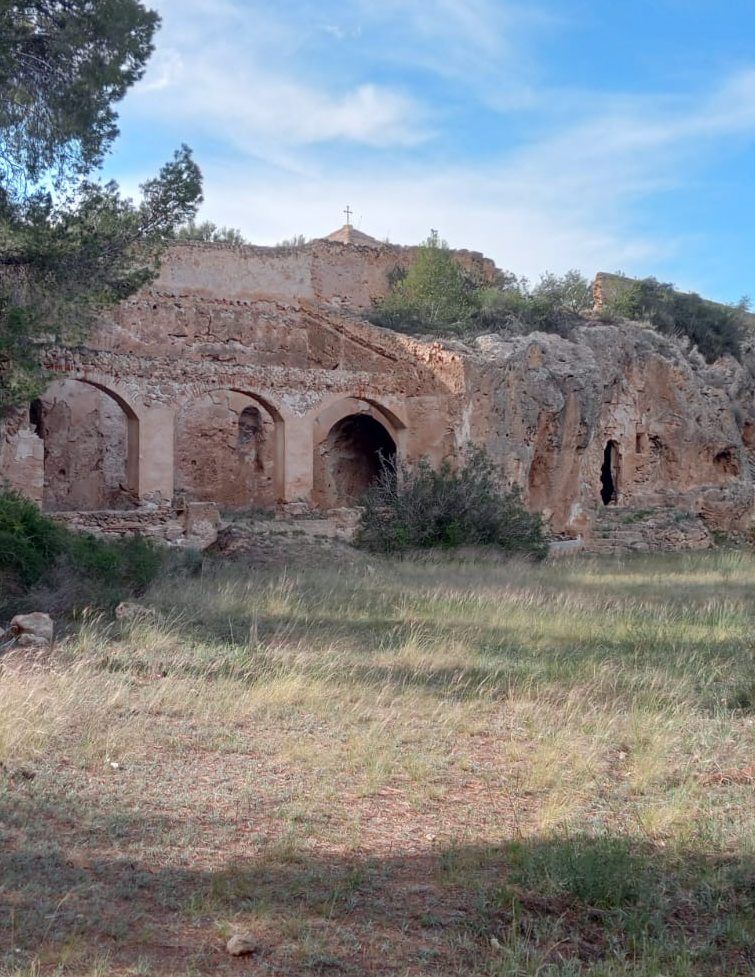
(448, 769)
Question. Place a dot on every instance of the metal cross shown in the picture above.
(348, 213)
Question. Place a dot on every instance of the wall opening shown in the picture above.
(609, 474)
(86, 445)
(350, 459)
(226, 451)
(727, 462)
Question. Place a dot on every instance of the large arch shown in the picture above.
(353, 438)
(229, 448)
(90, 433)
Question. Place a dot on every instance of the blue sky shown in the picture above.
(550, 134)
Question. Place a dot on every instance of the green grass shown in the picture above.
(448, 768)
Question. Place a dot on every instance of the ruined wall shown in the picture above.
(22, 454)
(246, 377)
(85, 444)
(225, 451)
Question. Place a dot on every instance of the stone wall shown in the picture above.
(246, 377)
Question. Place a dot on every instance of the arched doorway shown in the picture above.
(228, 450)
(350, 458)
(89, 434)
(610, 474)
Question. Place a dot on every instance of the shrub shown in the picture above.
(436, 295)
(29, 543)
(433, 295)
(36, 552)
(715, 329)
(424, 507)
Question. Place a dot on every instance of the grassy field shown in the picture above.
(447, 769)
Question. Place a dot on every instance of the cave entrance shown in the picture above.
(609, 474)
(351, 459)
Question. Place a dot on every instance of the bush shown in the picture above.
(424, 508)
(435, 294)
(36, 552)
(716, 330)
(552, 305)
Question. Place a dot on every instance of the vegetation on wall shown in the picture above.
(422, 508)
(716, 330)
(69, 244)
(436, 295)
(211, 233)
(297, 241)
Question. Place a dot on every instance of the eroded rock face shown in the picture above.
(248, 378)
(618, 404)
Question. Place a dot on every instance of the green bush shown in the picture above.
(434, 295)
(716, 330)
(424, 507)
(36, 552)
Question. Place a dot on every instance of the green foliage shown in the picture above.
(434, 295)
(605, 872)
(35, 549)
(209, 232)
(63, 65)
(570, 291)
(424, 508)
(716, 330)
(29, 543)
(514, 306)
(437, 295)
(66, 254)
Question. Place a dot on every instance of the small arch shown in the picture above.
(350, 458)
(249, 426)
(229, 449)
(90, 434)
(609, 473)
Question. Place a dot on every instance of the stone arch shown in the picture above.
(90, 432)
(352, 439)
(229, 446)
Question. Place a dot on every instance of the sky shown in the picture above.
(603, 135)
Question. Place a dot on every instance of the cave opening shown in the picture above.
(353, 455)
(609, 474)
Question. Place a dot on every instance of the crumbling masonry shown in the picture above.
(247, 378)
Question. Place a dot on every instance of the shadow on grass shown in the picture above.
(494, 660)
(74, 887)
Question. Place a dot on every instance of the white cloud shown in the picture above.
(567, 200)
(243, 77)
(232, 75)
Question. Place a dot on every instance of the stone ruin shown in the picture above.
(247, 378)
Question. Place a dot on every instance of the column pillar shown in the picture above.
(151, 446)
(298, 462)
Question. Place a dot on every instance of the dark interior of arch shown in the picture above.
(609, 473)
(354, 453)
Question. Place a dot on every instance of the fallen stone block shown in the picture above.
(36, 626)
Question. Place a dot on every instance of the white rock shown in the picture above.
(241, 944)
(36, 625)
